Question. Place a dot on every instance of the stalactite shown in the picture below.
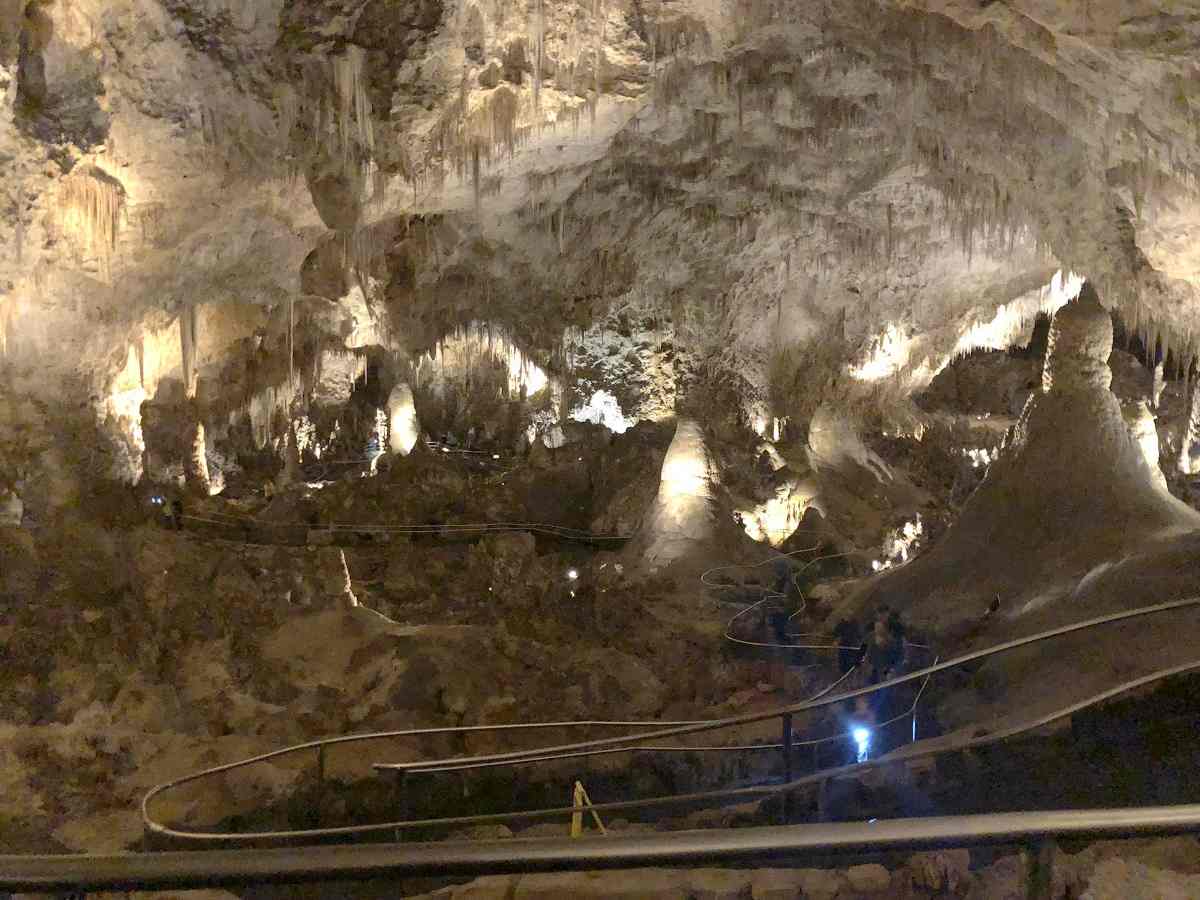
(19, 225)
(189, 328)
(353, 112)
(91, 205)
(475, 180)
(539, 28)
(291, 341)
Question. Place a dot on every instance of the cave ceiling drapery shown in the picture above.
(763, 175)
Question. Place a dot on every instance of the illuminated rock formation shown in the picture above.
(681, 520)
(1072, 487)
(403, 428)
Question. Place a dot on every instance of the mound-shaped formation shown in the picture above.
(1072, 489)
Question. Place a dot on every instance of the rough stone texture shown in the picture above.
(1115, 879)
(775, 884)
(718, 884)
(868, 879)
(941, 871)
(1037, 532)
(619, 885)
(229, 230)
(634, 171)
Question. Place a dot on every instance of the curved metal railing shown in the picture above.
(637, 741)
(769, 595)
(302, 531)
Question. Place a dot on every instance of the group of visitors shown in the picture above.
(883, 650)
(883, 654)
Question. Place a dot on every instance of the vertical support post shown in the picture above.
(404, 805)
(823, 800)
(577, 815)
(1041, 869)
(321, 764)
(787, 767)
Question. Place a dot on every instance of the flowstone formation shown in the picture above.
(1072, 488)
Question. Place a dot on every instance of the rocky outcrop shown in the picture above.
(1103, 872)
(1072, 488)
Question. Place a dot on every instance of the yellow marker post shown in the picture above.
(581, 801)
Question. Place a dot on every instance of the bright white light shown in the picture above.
(495, 456)
(465, 348)
(862, 737)
(898, 350)
(888, 354)
(777, 519)
(900, 544)
(572, 574)
(982, 456)
(603, 409)
(445, 449)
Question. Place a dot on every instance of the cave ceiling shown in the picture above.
(762, 175)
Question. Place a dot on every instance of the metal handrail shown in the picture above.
(769, 594)
(806, 706)
(899, 756)
(230, 868)
(719, 748)
(225, 519)
(602, 746)
(320, 744)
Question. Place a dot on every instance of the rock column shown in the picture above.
(195, 465)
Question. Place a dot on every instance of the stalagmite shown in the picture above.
(403, 427)
(1145, 435)
(290, 473)
(1189, 461)
(188, 328)
(681, 520)
(1158, 385)
(196, 462)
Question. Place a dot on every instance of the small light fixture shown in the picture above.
(495, 456)
(572, 574)
(862, 737)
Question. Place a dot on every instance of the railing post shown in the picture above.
(787, 767)
(404, 805)
(1041, 869)
(321, 764)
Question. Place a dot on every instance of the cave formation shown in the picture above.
(382, 364)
